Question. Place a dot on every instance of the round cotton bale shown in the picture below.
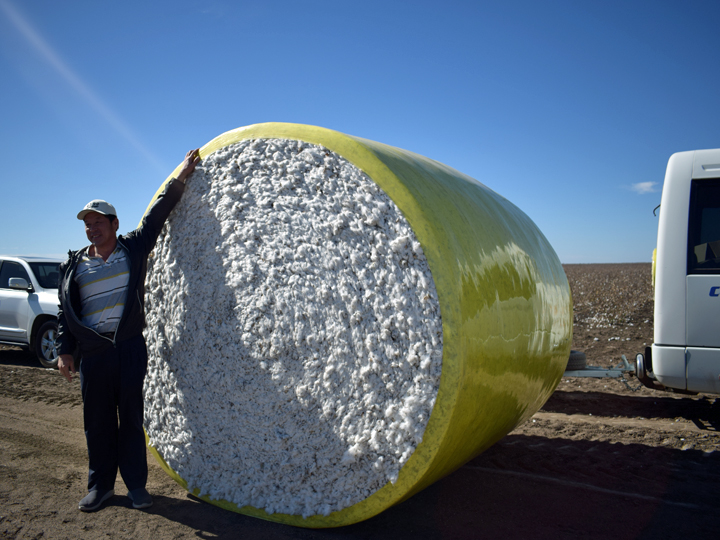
(334, 324)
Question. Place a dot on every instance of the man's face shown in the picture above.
(99, 230)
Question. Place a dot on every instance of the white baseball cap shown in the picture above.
(99, 206)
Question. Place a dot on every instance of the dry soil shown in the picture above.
(602, 459)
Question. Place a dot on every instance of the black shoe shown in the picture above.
(140, 498)
(93, 500)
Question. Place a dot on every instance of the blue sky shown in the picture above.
(568, 109)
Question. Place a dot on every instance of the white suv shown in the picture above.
(29, 305)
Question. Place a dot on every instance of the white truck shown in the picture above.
(685, 355)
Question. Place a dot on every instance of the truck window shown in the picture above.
(704, 227)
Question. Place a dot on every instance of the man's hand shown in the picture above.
(192, 158)
(66, 364)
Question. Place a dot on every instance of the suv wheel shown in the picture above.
(45, 347)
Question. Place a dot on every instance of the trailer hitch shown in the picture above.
(601, 373)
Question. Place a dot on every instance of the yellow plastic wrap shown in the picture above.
(654, 266)
(504, 298)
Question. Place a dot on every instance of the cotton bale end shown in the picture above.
(334, 324)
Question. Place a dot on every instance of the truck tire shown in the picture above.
(44, 345)
(577, 361)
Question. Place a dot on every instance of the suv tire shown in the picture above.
(45, 347)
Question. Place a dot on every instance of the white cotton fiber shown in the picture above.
(294, 332)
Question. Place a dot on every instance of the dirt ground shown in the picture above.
(602, 458)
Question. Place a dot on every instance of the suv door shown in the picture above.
(14, 303)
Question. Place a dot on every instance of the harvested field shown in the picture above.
(601, 459)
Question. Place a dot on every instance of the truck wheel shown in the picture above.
(577, 360)
(45, 347)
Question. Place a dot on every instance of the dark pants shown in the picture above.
(112, 384)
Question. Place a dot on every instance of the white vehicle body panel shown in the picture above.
(686, 349)
(14, 314)
(703, 311)
(702, 370)
(669, 366)
(671, 263)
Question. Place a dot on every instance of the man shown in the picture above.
(101, 291)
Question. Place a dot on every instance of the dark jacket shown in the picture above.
(138, 244)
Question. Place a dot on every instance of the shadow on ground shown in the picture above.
(15, 356)
(704, 411)
(524, 487)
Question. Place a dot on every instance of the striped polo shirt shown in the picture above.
(103, 289)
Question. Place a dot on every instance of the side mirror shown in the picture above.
(20, 284)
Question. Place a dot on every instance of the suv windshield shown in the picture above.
(46, 273)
